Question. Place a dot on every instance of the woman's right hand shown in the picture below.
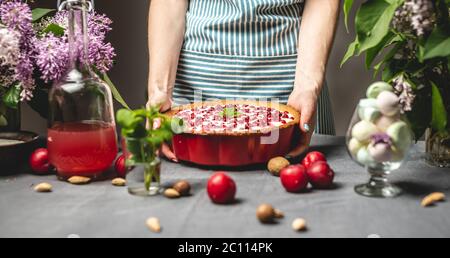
(163, 99)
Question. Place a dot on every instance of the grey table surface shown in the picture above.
(101, 210)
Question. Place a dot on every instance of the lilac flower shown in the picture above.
(422, 12)
(415, 17)
(100, 53)
(405, 91)
(9, 47)
(52, 56)
(17, 16)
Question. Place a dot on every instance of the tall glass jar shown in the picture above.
(82, 139)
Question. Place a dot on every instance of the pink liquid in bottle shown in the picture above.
(83, 148)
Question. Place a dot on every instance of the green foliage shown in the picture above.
(230, 112)
(55, 29)
(12, 97)
(115, 92)
(40, 13)
(348, 4)
(142, 136)
(401, 53)
(439, 113)
(437, 45)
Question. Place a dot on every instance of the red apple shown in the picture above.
(121, 167)
(321, 175)
(221, 188)
(312, 158)
(39, 161)
(294, 178)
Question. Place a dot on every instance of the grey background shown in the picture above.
(102, 210)
(129, 37)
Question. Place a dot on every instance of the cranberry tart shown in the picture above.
(234, 133)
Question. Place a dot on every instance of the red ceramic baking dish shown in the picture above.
(236, 148)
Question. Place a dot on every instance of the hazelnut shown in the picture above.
(183, 187)
(266, 213)
(277, 164)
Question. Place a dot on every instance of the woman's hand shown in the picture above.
(305, 101)
(164, 100)
(166, 28)
(314, 45)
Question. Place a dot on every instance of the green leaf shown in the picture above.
(39, 13)
(375, 51)
(12, 97)
(439, 113)
(127, 118)
(437, 45)
(348, 4)
(372, 53)
(373, 21)
(55, 29)
(229, 112)
(3, 121)
(419, 117)
(387, 58)
(115, 92)
(350, 52)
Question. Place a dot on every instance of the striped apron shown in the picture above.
(243, 49)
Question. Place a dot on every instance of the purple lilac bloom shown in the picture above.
(415, 17)
(9, 47)
(17, 16)
(100, 53)
(406, 93)
(52, 56)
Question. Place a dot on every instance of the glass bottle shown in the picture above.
(82, 139)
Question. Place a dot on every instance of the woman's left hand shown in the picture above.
(305, 102)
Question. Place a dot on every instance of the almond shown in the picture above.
(153, 224)
(43, 188)
(119, 182)
(299, 224)
(172, 193)
(79, 180)
(432, 199)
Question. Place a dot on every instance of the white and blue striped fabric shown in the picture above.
(243, 49)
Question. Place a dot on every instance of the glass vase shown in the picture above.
(438, 148)
(145, 177)
(82, 139)
(380, 144)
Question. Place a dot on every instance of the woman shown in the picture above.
(244, 49)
